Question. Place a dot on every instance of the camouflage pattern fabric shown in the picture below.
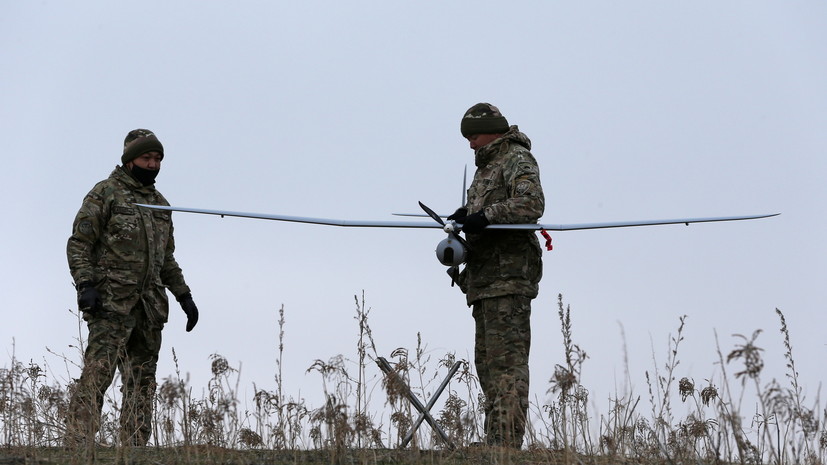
(507, 188)
(483, 118)
(501, 276)
(126, 252)
(138, 142)
(130, 344)
(503, 340)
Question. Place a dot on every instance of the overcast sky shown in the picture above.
(636, 110)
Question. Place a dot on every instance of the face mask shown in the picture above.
(144, 176)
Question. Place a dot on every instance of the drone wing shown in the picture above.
(302, 219)
(625, 224)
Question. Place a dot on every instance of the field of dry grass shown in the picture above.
(350, 428)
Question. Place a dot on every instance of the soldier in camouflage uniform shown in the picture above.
(503, 268)
(121, 259)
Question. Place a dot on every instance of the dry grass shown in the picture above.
(350, 428)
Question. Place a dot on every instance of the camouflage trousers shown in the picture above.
(503, 340)
(130, 344)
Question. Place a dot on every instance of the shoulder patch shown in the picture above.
(523, 187)
(85, 227)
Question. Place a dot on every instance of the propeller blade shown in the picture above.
(464, 189)
(462, 241)
(432, 214)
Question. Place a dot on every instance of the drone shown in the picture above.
(453, 250)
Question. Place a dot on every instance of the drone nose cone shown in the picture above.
(450, 252)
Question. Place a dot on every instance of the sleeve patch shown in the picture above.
(85, 227)
(523, 187)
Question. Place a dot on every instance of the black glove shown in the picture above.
(461, 212)
(89, 299)
(474, 223)
(190, 309)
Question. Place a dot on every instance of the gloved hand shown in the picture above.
(189, 308)
(461, 212)
(89, 299)
(475, 222)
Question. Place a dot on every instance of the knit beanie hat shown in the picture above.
(139, 142)
(483, 118)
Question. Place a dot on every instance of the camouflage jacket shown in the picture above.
(507, 188)
(125, 251)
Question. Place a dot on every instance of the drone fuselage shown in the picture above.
(450, 251)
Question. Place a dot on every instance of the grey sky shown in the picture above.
(636, 110)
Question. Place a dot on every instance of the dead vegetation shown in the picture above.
(351, 426)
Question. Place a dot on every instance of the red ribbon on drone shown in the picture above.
(548, 239)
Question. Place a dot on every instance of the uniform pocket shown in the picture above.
(120, 285)
(161, 223)
(483, 268)
(520, 259)
(124, 224)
